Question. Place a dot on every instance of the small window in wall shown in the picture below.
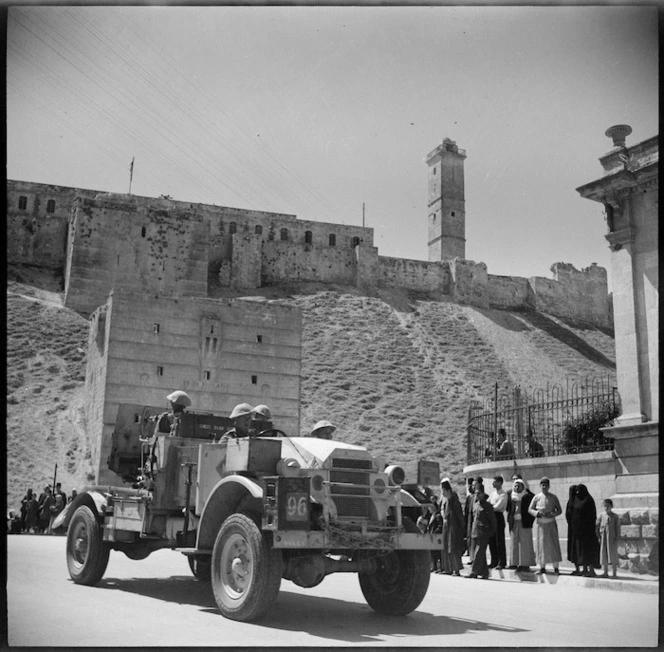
(254, 380)
(143, 232)
(137, 418)
(434, 170)
(155, 328)
(259, 339)
(355, 241)
(160, 370)
(211, 344)
(308, 237)
(50, 206)
(206, 375)
(22, 203)
(333, 240)
(258, 229)
(283, 234)
(452, 213)
(211, 329)
(232, 227)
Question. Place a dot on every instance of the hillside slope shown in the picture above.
(394, 372)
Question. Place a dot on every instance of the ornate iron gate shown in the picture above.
(562, 420)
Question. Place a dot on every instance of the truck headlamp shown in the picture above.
(395, 474)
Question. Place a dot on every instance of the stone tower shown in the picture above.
(446, 204)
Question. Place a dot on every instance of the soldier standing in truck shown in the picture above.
(169, 422)
(261, 420)
(323, 430)
(241, 416)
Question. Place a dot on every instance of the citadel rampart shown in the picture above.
(171, 248)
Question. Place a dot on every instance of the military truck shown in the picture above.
(249, 512)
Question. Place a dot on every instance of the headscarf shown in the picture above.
(584, 511)
(516, 496)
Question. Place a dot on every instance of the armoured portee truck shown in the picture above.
(249, 512)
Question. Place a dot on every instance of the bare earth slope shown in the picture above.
(394, 372)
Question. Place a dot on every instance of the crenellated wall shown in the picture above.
(173, 248)
(578, 295)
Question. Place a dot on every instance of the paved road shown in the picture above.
(156, 602)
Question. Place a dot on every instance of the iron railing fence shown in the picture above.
(562, 420)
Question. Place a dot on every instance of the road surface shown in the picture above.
(156, 602)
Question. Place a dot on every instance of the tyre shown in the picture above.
(87, 554)
(201, 567)
(400, 582)
(246, 571)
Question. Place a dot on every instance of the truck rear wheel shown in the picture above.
(400, 582)
(246, 571)
(87, 554)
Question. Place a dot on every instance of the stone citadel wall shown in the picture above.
(172, 248)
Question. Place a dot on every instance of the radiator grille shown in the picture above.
(351, 501)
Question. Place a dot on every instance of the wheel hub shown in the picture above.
(237, 565)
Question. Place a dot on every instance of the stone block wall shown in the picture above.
(573, 294)
(126, 243)
(639, 539)
(469, 282)
(288, 261)
(37, 222)
(415, 275)
(507, 292)
(220, 352)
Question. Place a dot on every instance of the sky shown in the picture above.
(315, 111)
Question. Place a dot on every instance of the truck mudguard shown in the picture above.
(231, 494)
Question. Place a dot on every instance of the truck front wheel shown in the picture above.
(246, 571)
(399, 583)
(87, 554)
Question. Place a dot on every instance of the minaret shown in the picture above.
(446, 205)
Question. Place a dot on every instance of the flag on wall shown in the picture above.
(131, 169)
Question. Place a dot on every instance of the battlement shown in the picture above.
(160, 246)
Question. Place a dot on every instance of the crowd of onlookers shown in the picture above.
(37, 514)
(478, 527)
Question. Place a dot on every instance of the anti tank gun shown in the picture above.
(250, 512)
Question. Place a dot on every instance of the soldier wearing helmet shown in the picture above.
(323, 430)
(241, 416)
(262, 420)
(169, 422)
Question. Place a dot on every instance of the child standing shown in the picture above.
(608, 531)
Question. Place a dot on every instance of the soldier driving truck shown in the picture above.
(249, 512)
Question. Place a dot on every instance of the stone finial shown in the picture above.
(618, 133)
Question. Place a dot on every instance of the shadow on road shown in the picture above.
(180, 589)
(355, 622)
(330, 619)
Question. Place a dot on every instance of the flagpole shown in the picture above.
(131, 172)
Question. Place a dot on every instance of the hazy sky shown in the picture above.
(313, 111)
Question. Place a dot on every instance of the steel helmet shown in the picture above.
(263, 411)
(323, 424)
(241, 409)
(179, 398)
